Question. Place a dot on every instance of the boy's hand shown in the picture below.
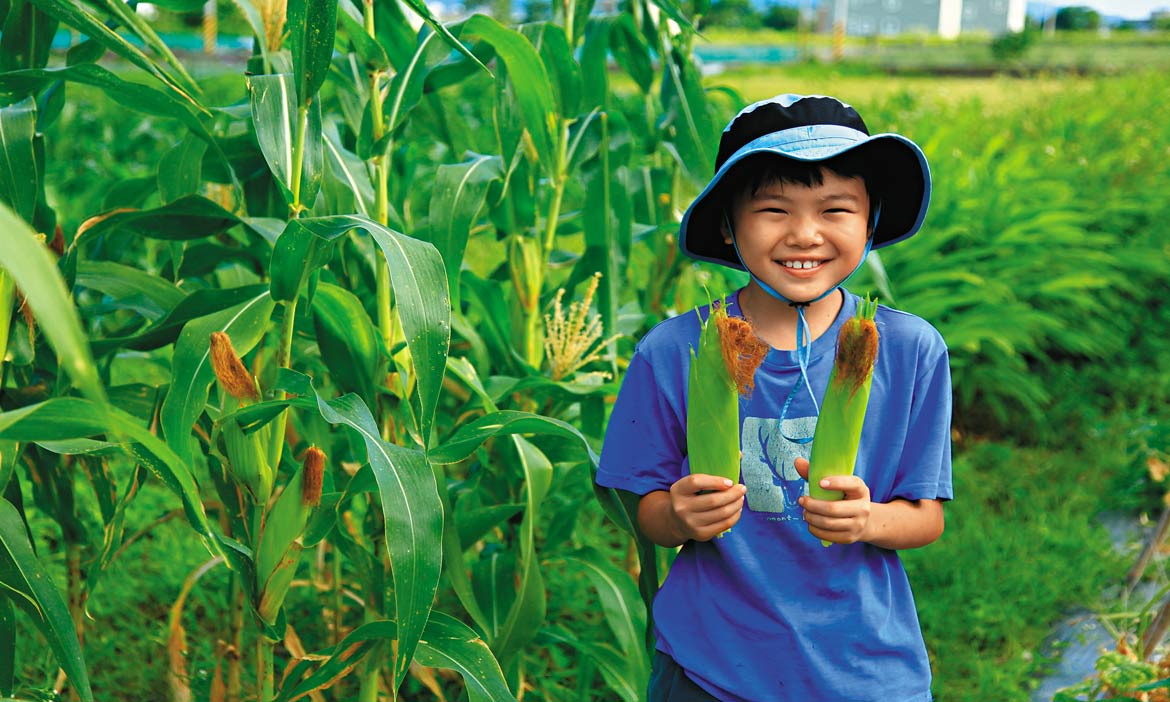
(841, 521)
(704, 506)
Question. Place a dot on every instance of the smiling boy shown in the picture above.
(802, 192)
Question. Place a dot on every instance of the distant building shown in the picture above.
(947, 18)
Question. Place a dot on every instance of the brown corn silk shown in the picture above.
(743, 352)
(230, 370)
(314, 472)
(857, 347)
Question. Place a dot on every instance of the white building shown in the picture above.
(947, 18)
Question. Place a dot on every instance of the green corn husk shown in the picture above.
(712, 408)
(7, 297)
(247, 458)
(838, 432)
(728, 356)
(279, 549)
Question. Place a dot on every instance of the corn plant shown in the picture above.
(343, 284)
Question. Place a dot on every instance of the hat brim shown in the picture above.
(906, 185)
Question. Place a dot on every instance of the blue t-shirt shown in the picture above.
(765, 612)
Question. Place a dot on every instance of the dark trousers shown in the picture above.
(668, 683)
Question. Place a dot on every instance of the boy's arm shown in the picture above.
(697, 507)
(898, 524)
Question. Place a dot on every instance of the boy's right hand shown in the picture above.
(704, 506)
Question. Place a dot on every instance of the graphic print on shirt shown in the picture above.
(773, 484)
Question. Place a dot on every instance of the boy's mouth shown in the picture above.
(801, 265)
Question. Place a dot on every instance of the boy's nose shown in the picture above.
(803, 232)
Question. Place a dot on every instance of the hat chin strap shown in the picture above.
(803, 332)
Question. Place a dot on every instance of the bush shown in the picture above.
(733, 13)
(1011, 46)
(781, 17)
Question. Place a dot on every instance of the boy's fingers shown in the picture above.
(853, 486)
(802, 467)
(716, 500)
(697, 482)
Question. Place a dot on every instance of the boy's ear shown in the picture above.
(725, 228)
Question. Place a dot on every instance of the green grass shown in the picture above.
(1021, 548)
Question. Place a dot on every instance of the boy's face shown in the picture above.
(802, 240)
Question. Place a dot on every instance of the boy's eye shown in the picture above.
(774, 210)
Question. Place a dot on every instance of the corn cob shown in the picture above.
(728, 356)
(838, 432)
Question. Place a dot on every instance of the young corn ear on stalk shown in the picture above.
(7, 297)
(723, 369)
(279, 549)
(838, 432)
(247, 452)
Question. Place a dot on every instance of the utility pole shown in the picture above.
(840, 13)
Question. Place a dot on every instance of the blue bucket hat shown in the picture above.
(809, 128)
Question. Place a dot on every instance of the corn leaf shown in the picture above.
(180, 171)
(76, 16)
(7, 647)
(421, 9)
(19, 179)
(526, 72)
(128, 17)
(625, 612)
(527, 613)
(350, 345)
(199, 303)
(27, 585)
(274, 101)
(28, 262)
(456, 200)
(26, 36)
(311, 26)
(470, 436)
(191, 372)
(189, 217)
(67, 418)
(349, 171)
(406, 88)
(421, 295)
(695, 133)
(451, 644)
(448, 644)
(612, 663)
(129, 287)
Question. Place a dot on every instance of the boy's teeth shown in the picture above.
(800, 264)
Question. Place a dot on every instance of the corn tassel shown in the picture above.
(729, 354)
(838, 432)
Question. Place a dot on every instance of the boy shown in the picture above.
(800, 195)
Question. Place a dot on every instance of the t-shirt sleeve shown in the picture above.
(645, 440)
(924, 471)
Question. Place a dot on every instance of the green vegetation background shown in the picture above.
(1034, 175)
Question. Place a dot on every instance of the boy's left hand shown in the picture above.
(840, 521)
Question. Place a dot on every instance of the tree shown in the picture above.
(781, 17)
(733, 13)
(1077, 17)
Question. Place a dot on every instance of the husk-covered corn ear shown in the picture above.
(838, 432)
(279, 549)
(724, 367)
